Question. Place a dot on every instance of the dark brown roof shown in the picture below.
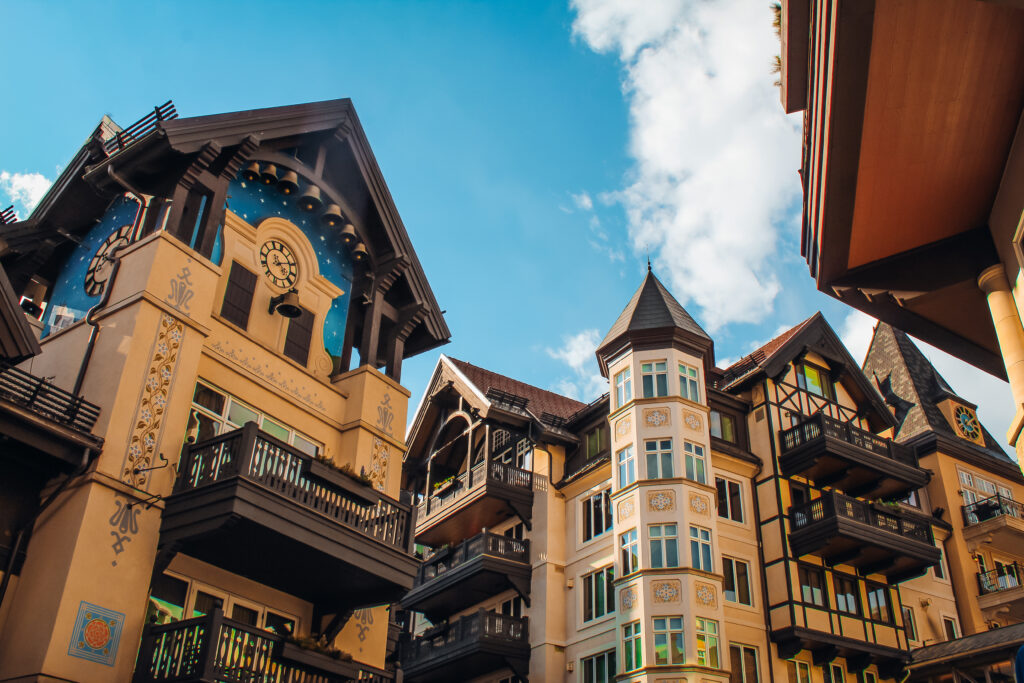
(652, 307)
(969, 649)
(913, 387)
(17, 341)
(540, 400)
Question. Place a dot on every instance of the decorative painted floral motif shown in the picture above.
(656, 417)
(282, 380)
(706, 594)
(626, 509)
(385, 415)
(699, 504)
(125, 524)
(667, 591)
(661, 501)
(628, 597)
(149, 418)
(181, 290)
(693, 421)
(623, 426)
(379, 463)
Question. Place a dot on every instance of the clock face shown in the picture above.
(966, 423)
(279, 264)
(100, 265)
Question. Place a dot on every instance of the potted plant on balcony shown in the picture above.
(316, 654)
(355, 486)
(443, 486)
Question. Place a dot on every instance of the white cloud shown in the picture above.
(715, 158)
(993, 397)
(24, 190)
(577, 352)
(583, 201)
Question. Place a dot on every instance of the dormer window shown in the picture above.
(814, 380)
(597, 441)
(723, 426)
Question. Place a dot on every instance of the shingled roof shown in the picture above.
(653, 307)
(913, 387)
(759, 357)
(540, 400)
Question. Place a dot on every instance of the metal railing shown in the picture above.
(215, 648)
(251, 454)
(821, 426)
(46, 399)
(472, 627)
(138, 130)
(832, 504)
(1002, 578)
(484, 543)
(993, 506)
(479, 475)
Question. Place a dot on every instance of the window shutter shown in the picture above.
(300, 331)
(238, 295)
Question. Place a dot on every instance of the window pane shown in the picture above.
(276, 430)
(167, 600)
(743, 584)
(280, 625)
(209, 399)
(245, 615)
(238, 414)
(305, 445)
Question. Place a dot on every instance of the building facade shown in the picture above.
(232, 510)
(792, 517)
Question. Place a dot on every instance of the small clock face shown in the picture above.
(279, 264)
(966, 423)
(99, 267)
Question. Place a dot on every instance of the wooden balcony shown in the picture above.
(1001, 590)
(489, 493)
(476, 569)
(844, 530)
(833, 453)
(475, 645)
(37, 417)
(996, 521)
(251, 504)
(212, 648)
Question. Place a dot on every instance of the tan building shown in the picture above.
(913, 168)
(226, 505)
(753, 523)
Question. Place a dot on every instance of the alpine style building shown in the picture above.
(792, 518)
(197, 481)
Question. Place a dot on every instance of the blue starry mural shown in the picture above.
(254, 203)
(72, 297)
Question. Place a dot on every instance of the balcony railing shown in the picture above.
(993, 506)
(215, 648)
(46, 400)
(494, 627)
(250, 454)
(466, 483)
(484, 543)
(1003, 578)
(832, 504)
(820, 425)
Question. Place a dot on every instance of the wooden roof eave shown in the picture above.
(17, 340)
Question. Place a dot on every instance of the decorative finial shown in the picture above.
(648, 259)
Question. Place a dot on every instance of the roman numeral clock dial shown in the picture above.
(279, 264)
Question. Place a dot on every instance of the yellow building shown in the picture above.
(226, 505)
(753, 523)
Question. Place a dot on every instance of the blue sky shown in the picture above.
(537, 152)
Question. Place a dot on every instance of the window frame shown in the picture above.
(623, 387)
(626, 465)
(843, 598)
(730, 509)
(717, 416)
(695, 462)
(730, 572)
(805, 570)
(702, 549)
(876, 589)
(606, 576)
(741, 676)
(657, 376)
(710, 654)
(946, 623)
(671, 636)
(801, 669)
(824, 380)
(660, 456)
(587, 513)
(689, 382)
(629, 551)
(663, 541)
(910, 618)
(608, 657)
(633, 657)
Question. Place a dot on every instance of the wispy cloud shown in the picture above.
(584, 383)
(715, 158)
(24, 190)
(583, 201)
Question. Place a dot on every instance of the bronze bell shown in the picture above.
(251, 172)
(289, 183)
(348, 234)
(310, 200)
(269, 175)
(332, 216)
(359, 252)
(286, 304)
